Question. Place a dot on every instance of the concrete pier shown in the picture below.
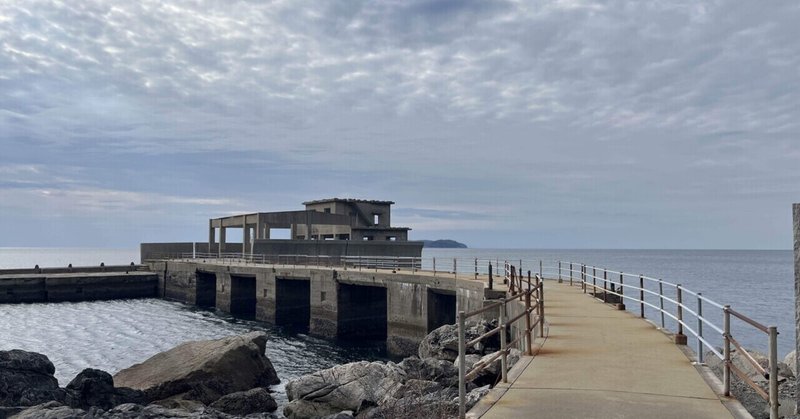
(400, 307)
(75, 284)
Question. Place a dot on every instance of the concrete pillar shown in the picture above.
(221, 239)
(211, 235)
(245, 237)
(796, 214)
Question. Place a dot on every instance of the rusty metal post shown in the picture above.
(641, 295)
(583, 277)
(621, 303)
(700, 355)
(661, 300)
(680, 338)
(462, 367)
(476, 268)
(540, 269)
(528, 335)
(594, 282)
(503, 357)
(491, 281)
(570, 274)
(773, 372)
(726, 328)
(559, 272)
(541, 309)
(605, 285)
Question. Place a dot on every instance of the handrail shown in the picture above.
(645, 291)
(535, 293)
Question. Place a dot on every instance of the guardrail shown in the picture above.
(647, 292)
(525, 337)
(590, 277)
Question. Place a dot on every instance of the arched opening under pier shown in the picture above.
(243, 296)
(441, 308)
(293, 303)
(206, 289)
(361, 312)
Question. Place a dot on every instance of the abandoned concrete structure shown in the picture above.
(327, 227)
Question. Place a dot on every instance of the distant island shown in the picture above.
(444, 244)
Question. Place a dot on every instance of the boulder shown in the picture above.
(791, 362)
(246, 402)
(442, 343)
(26, 379)
(203, 370)
(431, 369)
(95, 388)
(52, 410)
(343, 387)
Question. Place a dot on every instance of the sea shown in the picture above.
(112, 335)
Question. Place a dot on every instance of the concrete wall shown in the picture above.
(77, 287)
(153, 251)
(332, 296)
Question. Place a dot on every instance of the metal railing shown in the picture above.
(645, 292)
(533, 299)
(634, 288)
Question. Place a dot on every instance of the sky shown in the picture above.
(501, 124)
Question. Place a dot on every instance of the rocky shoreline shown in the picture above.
(229, 378)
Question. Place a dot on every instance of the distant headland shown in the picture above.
(444, 244)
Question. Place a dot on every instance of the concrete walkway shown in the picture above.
(599, 362)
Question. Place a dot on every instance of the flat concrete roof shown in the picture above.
(363, 201)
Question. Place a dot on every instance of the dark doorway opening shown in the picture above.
(293, 303)
(206, 290)
(243, 296)
(362, 312)
(441, 308)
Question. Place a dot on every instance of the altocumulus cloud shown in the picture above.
(578, 123)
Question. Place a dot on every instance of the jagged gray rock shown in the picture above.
(431, 369)
(203, 370)
(95, 388)
(442, 343)
(791, 361)
(245, 402)
(343, 387)
(26, 379)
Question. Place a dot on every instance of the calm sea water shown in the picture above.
(115, 334)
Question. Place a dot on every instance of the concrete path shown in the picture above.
(599, 362)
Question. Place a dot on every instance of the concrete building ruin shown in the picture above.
(326, 227)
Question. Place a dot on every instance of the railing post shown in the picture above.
(661, 301)
(476, 268)
(503, 358)
(490, 275)
(641, 295)
(583, 277)
(621, 303)
(528, 335)
(726, 328)
(605, 285)
(594, 282)
(680, 338)
(455, 268)
(462, 353)
(540, 269)
(700, 355)
(570, 274)
(434, 266)
(773, 372)
(559, 272)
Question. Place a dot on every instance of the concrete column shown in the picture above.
(796, 214)
(211, 235)
(245, 237)
(221, 239)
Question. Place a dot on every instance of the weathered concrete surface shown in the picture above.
(796, 216)
(76, 286)
(594, 365)
(333, 312)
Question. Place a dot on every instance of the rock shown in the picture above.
(343, 387)
(26, 379)
(791, 362)
(439, 404)
(474, 396)
(432, 369)
(416, 388)
(345, 414)
(52, 410)
(203, 370)
(246, 402)
(442, 343)
(95, 388)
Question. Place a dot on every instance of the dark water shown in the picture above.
(758, 283)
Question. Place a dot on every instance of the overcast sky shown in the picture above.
(561, 124)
